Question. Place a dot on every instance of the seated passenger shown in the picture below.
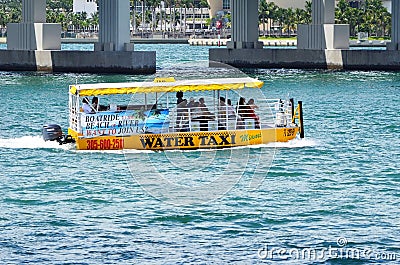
(85, 106)
(222, 107)
(194, 110)
(179, 97)
(233, 116)
(222, 114)
(155, 110)
(231, 110)
(241, 107)
(202, 106)
(203, 115)
(247, 112)
(95, 104)
(191, 103)
(181, 113)
(251, 104)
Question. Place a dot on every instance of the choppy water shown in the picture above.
(340, 183)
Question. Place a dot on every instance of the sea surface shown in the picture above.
(331, 198)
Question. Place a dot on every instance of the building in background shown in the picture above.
(90, 6)
(224, 5)
(191, 18)
(85, 6)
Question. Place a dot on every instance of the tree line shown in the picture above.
(371, 16)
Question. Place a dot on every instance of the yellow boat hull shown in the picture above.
(186, 140)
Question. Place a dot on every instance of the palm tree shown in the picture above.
(185, 4)
(272, 14)
(308, 13)
(3, 18)
(341, 12)
(386, 22)
(289, 21)
(280, 18)
(83, 22)
(262, 13)
(182, 4)
(13, 9)
(153, 4)
(94, 21)
(299, 17)
(372, 17)
(133, 15)
(143, 20)
(202, 4)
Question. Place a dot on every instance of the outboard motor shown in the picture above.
(53, 132)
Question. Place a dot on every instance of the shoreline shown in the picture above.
(212, 42)
(133, 40)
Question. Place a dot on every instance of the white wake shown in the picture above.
(31, 142)
(37, 142)
(295, 143)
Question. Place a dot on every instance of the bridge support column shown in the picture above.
(114, 19)
(244, 25)
(323, 33)
(33, 33)
(395, 42)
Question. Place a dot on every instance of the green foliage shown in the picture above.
(57, 11)
(371, 17)
(10, 11)
(286, 19)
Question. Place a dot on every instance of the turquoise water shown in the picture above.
(339, 184)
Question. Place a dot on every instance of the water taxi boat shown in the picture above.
(169, 114)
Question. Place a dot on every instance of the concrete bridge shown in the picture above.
(35, 45)
(323, 44)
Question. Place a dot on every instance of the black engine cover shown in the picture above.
(52, 132)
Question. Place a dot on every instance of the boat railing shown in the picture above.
(272, 113)
(73, 106)
(278, 112)
(192, 119)
(201, 119)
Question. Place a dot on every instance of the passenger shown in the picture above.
(247, 112)
(204, 110)
(204, 115)
(202, 105)
(191, 103)
(222, 105)
(98, 107)
(85, 106)
(179, 96)
(231, 110)
(194, 110)
(95, 104)
(251, 104)
(241, 107)
(181, 113)
(222, 114)
(155, 110)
